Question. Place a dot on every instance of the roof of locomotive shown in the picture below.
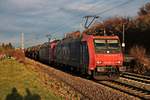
(106, 37)
(54, 41)
(48, 43)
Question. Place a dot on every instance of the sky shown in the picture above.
(38, 18)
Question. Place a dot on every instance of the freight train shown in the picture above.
(90, 54)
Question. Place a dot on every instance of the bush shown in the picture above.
(19, 55)
(141, 62)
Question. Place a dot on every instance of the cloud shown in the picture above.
(23, 5)
(48, 16)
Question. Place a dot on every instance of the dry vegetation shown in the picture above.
(141, 63)
(7, 51)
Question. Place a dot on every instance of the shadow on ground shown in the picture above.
(14, 95)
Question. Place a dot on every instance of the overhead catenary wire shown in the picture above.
(102, 12)
(99, 4)
(109, 9)
(102, 5)
(63, 26)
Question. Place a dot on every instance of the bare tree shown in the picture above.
(145, 9)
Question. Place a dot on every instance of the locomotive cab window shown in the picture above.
(102, 45)
(113, 44)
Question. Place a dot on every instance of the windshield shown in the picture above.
(102, 45)
(113, 44)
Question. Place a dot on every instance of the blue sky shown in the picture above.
(37, 18)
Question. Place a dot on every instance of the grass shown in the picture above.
(16, 78)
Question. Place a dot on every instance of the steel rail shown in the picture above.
(144, 92)
(136, 79)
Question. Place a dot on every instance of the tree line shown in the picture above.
(137, 29)
(8, 51)
(6, 46)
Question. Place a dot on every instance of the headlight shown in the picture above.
(99, 62)
(118, 62)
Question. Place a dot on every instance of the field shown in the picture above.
(16, 81)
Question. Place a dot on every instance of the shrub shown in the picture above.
(141, 62)
(19, 55)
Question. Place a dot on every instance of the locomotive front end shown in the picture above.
(108, 58)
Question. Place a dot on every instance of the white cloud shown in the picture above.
(27, 4)
(43, 16)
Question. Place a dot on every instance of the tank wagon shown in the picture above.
(33, 52)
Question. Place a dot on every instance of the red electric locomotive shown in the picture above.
(46, 52)
(91, 54)
(98, 56)
(52, 50)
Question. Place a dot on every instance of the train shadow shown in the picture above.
(77, 73)
(67, 69)
(15, 95)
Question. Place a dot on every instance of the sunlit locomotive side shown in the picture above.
(98, 56)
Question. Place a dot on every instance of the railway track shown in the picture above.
(136, 77)
(127, 88)
(88, 89)
(132, 84)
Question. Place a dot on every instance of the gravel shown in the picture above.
(78, 87)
